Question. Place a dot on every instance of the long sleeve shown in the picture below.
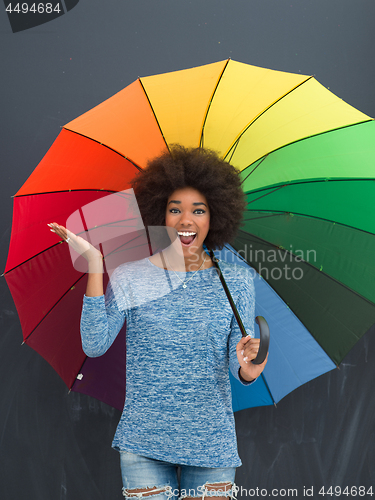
(101, 321)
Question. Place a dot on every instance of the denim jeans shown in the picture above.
(171, 481)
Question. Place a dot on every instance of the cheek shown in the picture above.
(167, 220)
(206, 226)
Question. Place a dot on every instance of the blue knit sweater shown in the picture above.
(180, 344)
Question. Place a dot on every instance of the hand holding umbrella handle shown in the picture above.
(264, 340)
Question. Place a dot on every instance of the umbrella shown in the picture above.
(307, 164)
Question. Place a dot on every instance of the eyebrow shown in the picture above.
(195, 203)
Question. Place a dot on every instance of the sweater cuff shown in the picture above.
(243, 381)
(93, 300)
(93, 305)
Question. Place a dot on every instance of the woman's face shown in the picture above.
(188, 212)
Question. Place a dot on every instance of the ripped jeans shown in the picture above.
(145, 477)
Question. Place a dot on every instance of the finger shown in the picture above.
(70, 236)
(262, 365)
(251, 346)
(244, 340)
(252, 342)
(55, 227)
(251, 351)
(59, 230)
(246, 343)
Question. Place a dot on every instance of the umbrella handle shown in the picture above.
(263, 325)
(264, 340)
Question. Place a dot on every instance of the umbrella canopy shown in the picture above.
(307, 164)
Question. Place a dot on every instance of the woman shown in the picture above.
(176, 435)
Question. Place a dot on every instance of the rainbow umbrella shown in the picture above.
(307, 164)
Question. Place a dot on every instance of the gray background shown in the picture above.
(55, 445)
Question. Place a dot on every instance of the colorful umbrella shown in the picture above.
(307, 164)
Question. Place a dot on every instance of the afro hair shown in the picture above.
(202, 170)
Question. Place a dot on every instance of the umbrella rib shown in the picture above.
(33, 257)
(262, 113)
(58, 243)
(153, 112)
(304, 139)
(201, 141)
(78, 372)
(55, 304)
(268, 389)
(248, 175)
(275, 214)
(105, 146)
(117, 224)
(307, 181)
(266, 194)
(66, 191)
(119, 249)
(233, 151)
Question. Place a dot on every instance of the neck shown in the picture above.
(188, 262)
(196, 260)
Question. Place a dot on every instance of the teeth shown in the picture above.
(186, 233)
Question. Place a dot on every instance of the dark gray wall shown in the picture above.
(57, 446)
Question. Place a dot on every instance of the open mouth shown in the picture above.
(187, 237)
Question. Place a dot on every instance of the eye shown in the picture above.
(199, 211)
(174, 210)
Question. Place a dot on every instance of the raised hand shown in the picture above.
(81, 246)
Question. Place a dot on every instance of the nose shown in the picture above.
(186, 218)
